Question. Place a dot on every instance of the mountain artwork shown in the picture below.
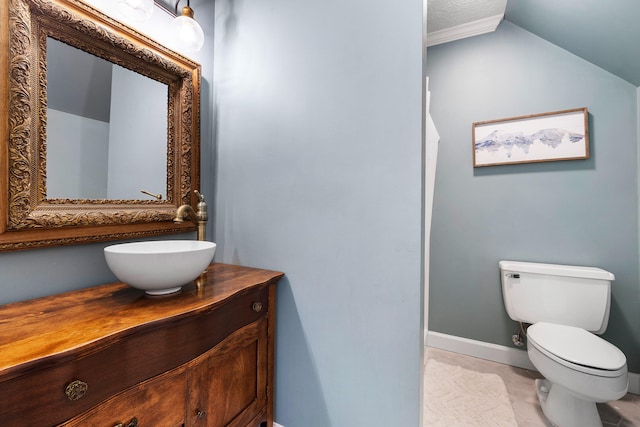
(526, 139)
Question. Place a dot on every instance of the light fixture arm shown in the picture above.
(178, 3)
(166, 5)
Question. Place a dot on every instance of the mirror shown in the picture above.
(112, 161)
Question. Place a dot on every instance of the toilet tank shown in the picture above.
(564, 294)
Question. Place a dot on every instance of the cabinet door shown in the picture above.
(158, 402)
(227, 386)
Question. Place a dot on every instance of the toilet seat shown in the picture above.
(577, 349)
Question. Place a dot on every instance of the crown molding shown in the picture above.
(470, 29)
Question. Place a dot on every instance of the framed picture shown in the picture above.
(546, 137)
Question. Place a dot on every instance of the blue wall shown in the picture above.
(319, 176)
(572, 212)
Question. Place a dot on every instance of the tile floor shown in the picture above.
(520, 385)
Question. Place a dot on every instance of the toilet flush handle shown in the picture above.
(513, 275)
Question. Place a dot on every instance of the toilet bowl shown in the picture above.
(580, 369)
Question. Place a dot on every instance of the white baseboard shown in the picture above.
(277, 425)
(497, 353)
(482, 350)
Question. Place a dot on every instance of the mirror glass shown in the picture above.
(100, 144)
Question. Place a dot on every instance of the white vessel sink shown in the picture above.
(159, 267)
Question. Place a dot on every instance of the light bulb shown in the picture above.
(188, 31)
(137, 10)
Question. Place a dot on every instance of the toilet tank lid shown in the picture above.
(556, 270)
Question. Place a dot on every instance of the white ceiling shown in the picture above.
(445, 14)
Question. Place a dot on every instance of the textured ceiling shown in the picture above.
(443, 14)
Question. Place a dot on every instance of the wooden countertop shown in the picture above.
(53, 326)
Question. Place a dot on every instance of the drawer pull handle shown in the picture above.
(132, 423)
(257, 307)
(201, 414)
(76, 389)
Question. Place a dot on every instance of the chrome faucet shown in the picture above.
(200, 216)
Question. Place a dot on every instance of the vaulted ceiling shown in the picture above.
(605, 33)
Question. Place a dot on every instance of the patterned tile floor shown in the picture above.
(520, 385)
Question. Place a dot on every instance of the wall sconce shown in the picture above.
(138, 10)
(187, 30)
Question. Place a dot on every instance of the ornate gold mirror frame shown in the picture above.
(28, 219)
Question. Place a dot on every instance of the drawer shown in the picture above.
(39, 396)
(159, 402)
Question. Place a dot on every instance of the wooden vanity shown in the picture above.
(111, 356)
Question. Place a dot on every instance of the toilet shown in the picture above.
(566, 307)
